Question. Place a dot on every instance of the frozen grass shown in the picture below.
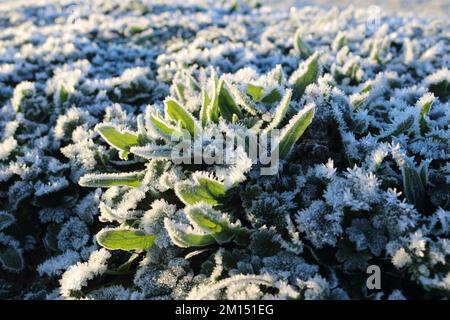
(84, 98)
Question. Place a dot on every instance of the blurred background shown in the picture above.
(416, 7)
(438, 8)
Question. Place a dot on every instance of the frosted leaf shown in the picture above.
(206, 292)
(73, 235)
(320, 225)
(21, 91)
(417, 243)
(87, 208)
(288, 267)
(55, 266)
(364, 235)
(54, 184)
(7, 147)
(401, 258)
(57, 215)
(67, 123)
(153, 222)
(77, 276)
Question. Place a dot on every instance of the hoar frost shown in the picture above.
(90, 96)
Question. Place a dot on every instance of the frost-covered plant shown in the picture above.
(50, 100)
(226, 107)
(11, 258)
(91, 94)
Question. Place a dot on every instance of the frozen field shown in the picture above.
(417, 7)
(96, 98)
(414, 7)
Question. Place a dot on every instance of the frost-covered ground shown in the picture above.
(433, 8)
(91, 208)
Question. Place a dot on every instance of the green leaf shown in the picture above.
(367, 89)
(339, 42)
(182, 237)
(132, 179)
(280, 111)
(213, 107)
(205, 223)
(363, 98)
(277, 74)
(184, 85)
(125, 239)
(214, 187)
(307, 73)
(11, 258)
(414, 185)
(423, 174)
(136, 29)
(301, 47)
(179, 90)
(242, 99)
(25, 93)
(63, 95)
(204, 110)
(352, 72)
(423, 112)
(273, 96)
(120, 141)
(6, 220)
(142, 131)
(255, 91)
(178, 113)
(162, 126)
(426, 108)
(294, 130)
(152, 151)
(124, 268)
(211, 221)
(227, 106)
(403, 126)
(193, 84)
(205, 190)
